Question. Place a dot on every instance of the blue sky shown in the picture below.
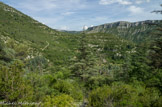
(73, 14)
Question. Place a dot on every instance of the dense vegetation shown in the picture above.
(135, 31)
(39, 64)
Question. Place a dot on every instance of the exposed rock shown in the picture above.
(136, 31)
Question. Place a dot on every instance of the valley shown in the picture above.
(110, 65)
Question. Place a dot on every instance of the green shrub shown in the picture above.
(124, 95)
(62, 100)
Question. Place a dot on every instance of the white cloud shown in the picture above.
(77, 13)
(135, 9)
(39, 5)
(139, 1)
(108, 2)
(124, 2)
(68, 13)
(64, 28)
(100, 18)
(50, 21)
(147, 0)
(145, 15)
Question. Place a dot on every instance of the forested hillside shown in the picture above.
(18, 26)
(48, 68)
(136, 31)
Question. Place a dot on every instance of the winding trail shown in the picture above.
(45, 46)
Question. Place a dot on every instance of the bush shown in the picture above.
(68, 88)
(124, 95)
(62, 100)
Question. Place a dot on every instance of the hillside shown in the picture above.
(50, 68)
(21, 27)
(58, 47)
(136, 31)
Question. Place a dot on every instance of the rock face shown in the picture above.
(136, 31)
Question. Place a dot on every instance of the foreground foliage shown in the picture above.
(38, 64)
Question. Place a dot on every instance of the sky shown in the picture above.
(74, 14)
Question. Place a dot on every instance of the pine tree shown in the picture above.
(12, 86)
(156, 47)
(85, 59)
(156, 57)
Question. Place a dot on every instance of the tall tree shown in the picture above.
(12, 86)
(155, 79)
(156, 47)
(85, 59)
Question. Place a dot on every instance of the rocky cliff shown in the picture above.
(136, 31)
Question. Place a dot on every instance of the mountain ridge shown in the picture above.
(126, 23)
(135, 31)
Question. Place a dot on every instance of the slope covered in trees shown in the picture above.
(42, 65)
(19, 26)
(135, 31)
